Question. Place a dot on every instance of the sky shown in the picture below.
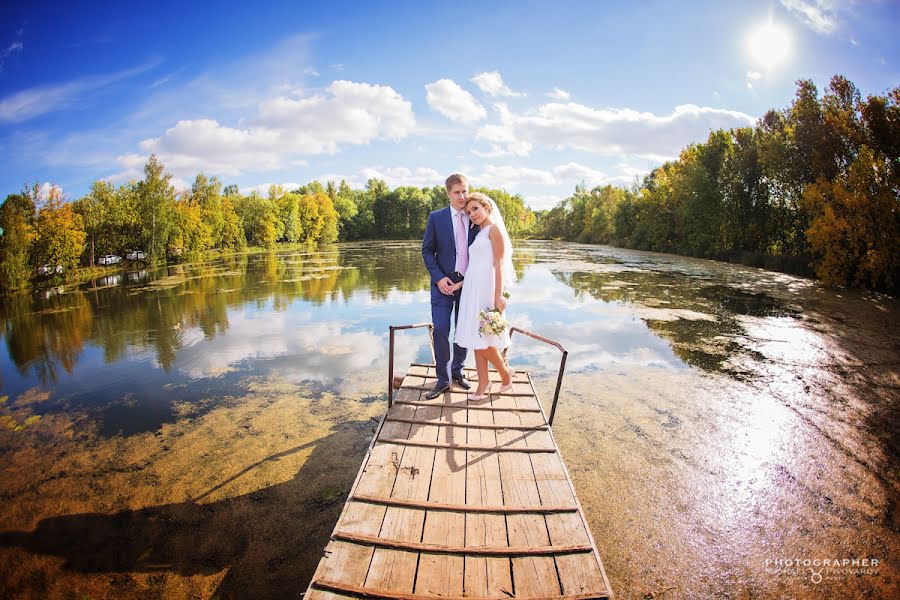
(531, 97)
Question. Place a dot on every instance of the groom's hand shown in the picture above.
(446, 286)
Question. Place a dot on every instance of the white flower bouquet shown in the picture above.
(491, 322)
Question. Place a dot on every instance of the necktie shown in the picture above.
(462, 248)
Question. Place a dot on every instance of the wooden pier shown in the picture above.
(461, 499)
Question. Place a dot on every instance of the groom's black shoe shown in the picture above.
(437, 390)
(460, 380)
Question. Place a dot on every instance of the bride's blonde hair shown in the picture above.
(483, 199)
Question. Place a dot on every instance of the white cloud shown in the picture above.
(818, 15)
(448, 98)
(349, 114)
(393, 176)
(14, 47)
(38, 100)
(514, 178)
(558, 94)
(754, 75)
(543, 201)
(263, 188)
(507, 176)
(492, 83)
(607, 131)
(402, 176)
(576, 173)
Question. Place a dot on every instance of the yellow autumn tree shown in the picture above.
(855, 225)
(60, 233)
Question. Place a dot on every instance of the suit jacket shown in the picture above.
(439, 245)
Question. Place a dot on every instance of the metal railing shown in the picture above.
(394, 328)
(562, 363)
(512, 330)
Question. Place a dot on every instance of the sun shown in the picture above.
(770, 45)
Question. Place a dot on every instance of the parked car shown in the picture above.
(136, 255)
(50, 270)
(109, 259)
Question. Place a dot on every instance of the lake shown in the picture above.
(193, 430)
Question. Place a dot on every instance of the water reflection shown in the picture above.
(213, 393)
(321, 316)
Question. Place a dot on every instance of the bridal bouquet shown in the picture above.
(491, 322)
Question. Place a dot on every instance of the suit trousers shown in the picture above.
(443, 308)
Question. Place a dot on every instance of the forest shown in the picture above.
(814, 188)
(816, 185)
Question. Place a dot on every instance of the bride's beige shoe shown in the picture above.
(504, 388)
(481, 396)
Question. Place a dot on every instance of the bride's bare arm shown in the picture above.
(497, 247)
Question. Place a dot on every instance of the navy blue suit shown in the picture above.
(439, 254)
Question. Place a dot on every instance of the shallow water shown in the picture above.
(194, 430)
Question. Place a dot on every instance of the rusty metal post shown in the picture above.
(391, 369)
(562, 367)
(392, 329)
(562, 364)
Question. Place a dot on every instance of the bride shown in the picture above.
(490, 271)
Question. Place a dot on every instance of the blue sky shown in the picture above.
(533, 97)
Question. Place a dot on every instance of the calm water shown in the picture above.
(716, 419)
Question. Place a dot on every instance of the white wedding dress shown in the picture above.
(478, 295)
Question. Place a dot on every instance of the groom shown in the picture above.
(445, 250)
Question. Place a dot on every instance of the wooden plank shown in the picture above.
(443, 422)
(467, 369)
(469, 407)
(382, 542)
(349, 563)
(497, 509)
(377, 594)
(460, 499)
(532, 576)
(493, 376)
(577, 573)
(396, 569)
(485, 576)
(420, 370)
(517, 435)
(440, 574)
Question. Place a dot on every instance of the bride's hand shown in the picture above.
(500, 303)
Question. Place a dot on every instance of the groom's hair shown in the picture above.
(454, 179)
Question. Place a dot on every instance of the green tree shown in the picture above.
(17, 237)
(92, 209)
(207, 194)
(259, 217)
(345, 205)
(289, 213)
(232, 227)
(155, 206)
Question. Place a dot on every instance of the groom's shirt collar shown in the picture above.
(453, 213)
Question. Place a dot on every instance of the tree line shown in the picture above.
(817, 183)
(43, 230)
(813, 185)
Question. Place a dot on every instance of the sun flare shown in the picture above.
(770, 44)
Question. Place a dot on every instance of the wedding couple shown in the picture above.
(468, 253)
